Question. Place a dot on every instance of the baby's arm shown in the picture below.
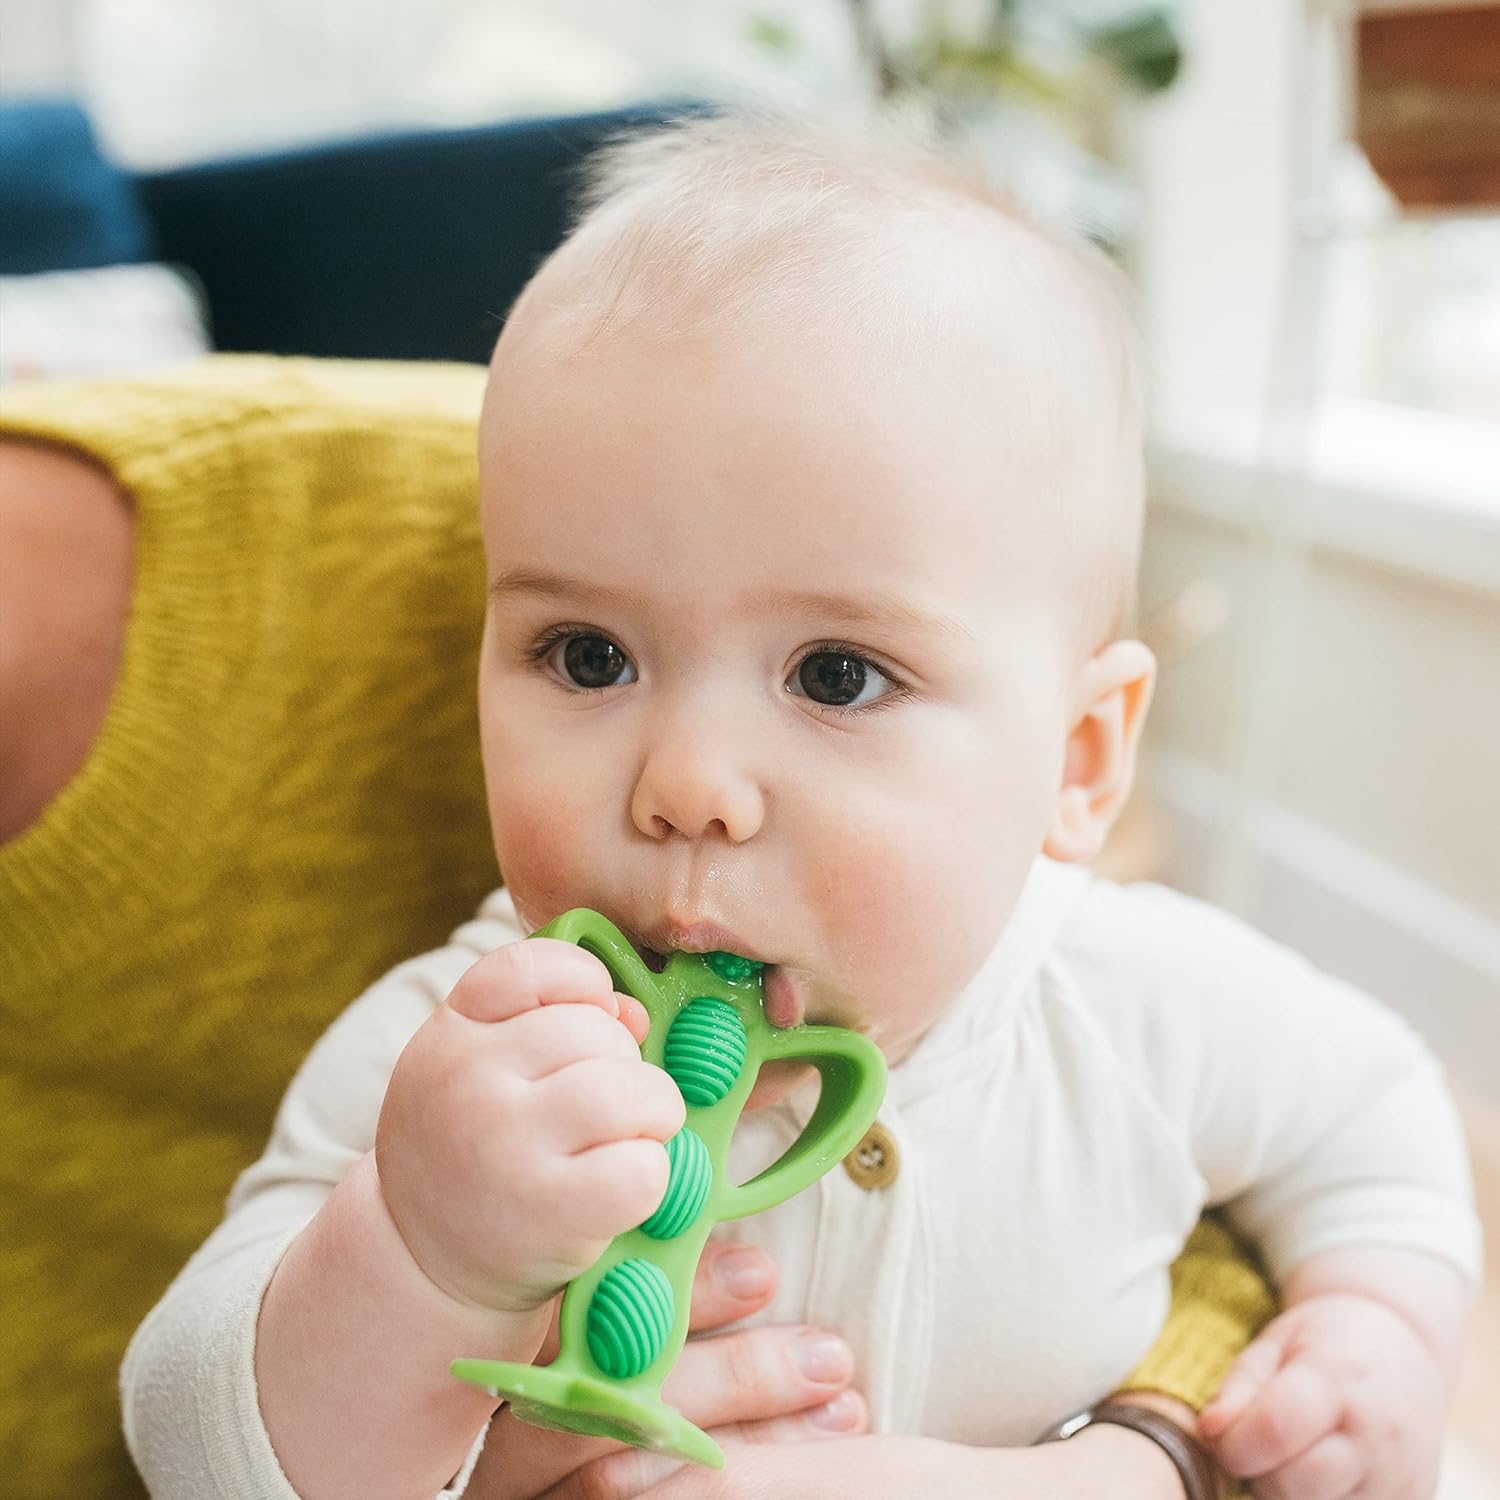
(1322, 1124)
(1360, 1200)
(308, 1340)
(1345, 1392)
(520, 1133)
(351, 1356)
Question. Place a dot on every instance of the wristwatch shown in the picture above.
(1201, 1477)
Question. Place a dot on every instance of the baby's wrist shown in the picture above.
(519, 1333)
(1427, 1294)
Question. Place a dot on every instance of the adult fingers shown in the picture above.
(731, 1282)
(622, 1475)
(1295, 1408)
(633, 1472)
(756, 1373)
(524, 1461)
(844, 1416)
(1329, 1470)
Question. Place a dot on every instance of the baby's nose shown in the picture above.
(693, 785)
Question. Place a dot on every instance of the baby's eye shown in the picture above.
(589, 661)
(837, 678)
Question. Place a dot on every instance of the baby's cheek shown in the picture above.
(910, 920)
(537, 844)
(858, 894)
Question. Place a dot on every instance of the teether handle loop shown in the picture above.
(598, 935)
(853, 1073)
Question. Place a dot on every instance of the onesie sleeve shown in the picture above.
(1315, 1116)
(191, 1410)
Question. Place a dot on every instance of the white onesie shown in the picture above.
(1125, 1057)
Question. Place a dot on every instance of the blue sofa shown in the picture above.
(408, 245)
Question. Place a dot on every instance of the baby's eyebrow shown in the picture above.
(558, 585)
(845, 609)
(869, 610)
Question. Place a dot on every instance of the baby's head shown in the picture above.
(811, 481)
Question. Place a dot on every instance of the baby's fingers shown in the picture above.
(599, 1100)
(1246, 1378)
(1291, 1412)
(540, 971)
(1329, 1470)
(612, 1188)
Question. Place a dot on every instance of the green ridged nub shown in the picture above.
(732, 967)
(629, 1318)
(687, 1187)
(705, 1050)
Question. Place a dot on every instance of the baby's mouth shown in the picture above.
(783, 1006)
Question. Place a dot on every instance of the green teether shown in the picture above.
(705, 1051)
(625, 1320)
(690, 1178)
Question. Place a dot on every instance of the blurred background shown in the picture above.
(1306, 195)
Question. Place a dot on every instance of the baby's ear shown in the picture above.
(1112, 696)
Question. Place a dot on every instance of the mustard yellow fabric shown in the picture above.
(284, 801)
(1219, 1301)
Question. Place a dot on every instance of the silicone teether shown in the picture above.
(625, 1320)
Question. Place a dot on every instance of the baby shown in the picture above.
(812, 490)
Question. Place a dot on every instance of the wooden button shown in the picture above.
(875, 1161)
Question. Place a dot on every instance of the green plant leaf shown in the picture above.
(1144, 47)
(774, 35)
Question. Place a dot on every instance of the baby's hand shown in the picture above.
(1338, 1396)
(521, 1130)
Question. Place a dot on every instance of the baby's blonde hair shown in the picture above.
(747, 222)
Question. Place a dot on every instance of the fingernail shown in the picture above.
(838, 1415)
(743, 1273)
(821, 1356)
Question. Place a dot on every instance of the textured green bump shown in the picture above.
(687, 1188)
(731, 967)
(705, 1050)
(629, 1318)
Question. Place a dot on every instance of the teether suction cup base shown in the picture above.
(568, 1402)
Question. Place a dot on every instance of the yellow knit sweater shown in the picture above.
(285, 800)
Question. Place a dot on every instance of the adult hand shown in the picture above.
(1118, 1463)
(766, 1385)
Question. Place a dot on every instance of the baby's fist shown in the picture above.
(1337, 1397)
(521, 1129)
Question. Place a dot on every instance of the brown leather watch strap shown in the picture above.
(1201, 1477)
